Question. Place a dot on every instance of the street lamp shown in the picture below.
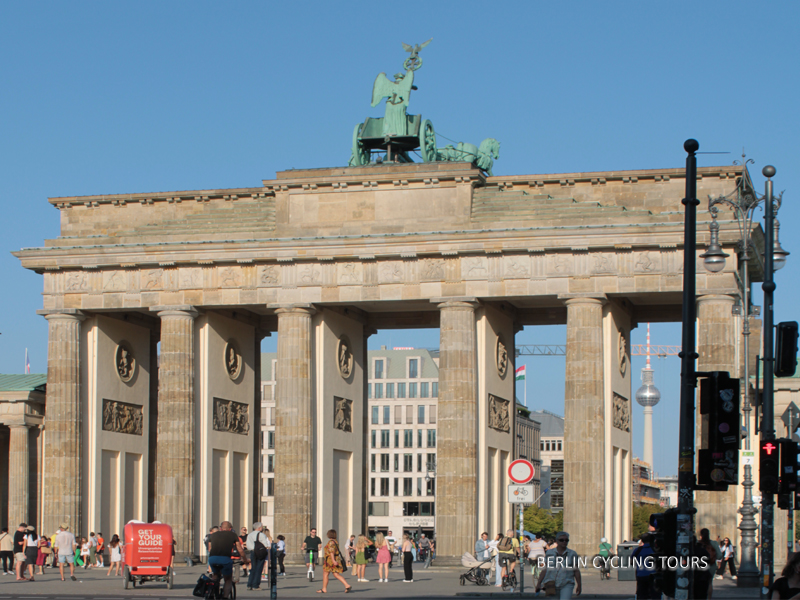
(430, 475)
(743, 204)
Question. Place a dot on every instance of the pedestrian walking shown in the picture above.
(361, 559)
(333, 564)
(31, 550)
(711, 547)
(726, 558)
(19, 551)
(408, 559)
(92, 550)
(101, 548)
(482, 551)
(392, 547)
(114, 555)
(281, 545)
(561, 570)
(258, 544)
(498, 573)
(350, 549)
(425, 550)
(645, 577)
(43, 549)
(270, 548)
(383, 558)
(66, 544)
(243, 539)
(6, 551)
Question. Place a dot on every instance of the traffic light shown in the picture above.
(786, 349)
(787, 478)
(769, 467)
(664, 541)
(718, 461)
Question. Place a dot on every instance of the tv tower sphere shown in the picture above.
(648, 394)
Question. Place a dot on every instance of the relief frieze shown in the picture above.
(622, 413)
(343, 414)
(231, 416)
(499, 417)
(269, 275)
(391, 272)
(121, 417)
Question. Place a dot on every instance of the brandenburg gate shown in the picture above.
(157, 304)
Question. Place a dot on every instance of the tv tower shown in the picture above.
(648, 396)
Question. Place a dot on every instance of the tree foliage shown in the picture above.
(543, 522)
(640, 517)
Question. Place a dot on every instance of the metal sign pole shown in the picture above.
(521, 551)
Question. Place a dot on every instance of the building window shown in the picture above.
(375, 415)
(398, 415)
(419, 438)
(369, 390)
(384, 462)
(559, 445)
(408, 438)
(419, 486)
(270, 487)
(432, 415)
(384, 438)
(413, 365)
(408, 463)
(396, 486)
(270, 463)
(372, 486)
(396, 463)
(387, 415)
(384, 486)
(412, 390)
(541, 446)
(379, 390)
(372, 462)
(271, 440)
(427, 509)
(390, 390)
(423, 389)
(431, 487)
(379, 369)
(409, 415)
(421, 414)
(430, 465)
(557, 484)
(372, 438)
(431, 438)
(419, 463)
(435, 389)
(401, 390)
(407, 491)
(378, 509)
(396, 438)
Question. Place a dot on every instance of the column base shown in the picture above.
(441, 561)
(747, 580)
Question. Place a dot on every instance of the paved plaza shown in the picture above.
(431, 583)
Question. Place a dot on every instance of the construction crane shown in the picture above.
(636, 350)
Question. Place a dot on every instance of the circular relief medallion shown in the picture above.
(233, 360)
(622, 347)
(501, 356)
(344, 357)
(125, 362)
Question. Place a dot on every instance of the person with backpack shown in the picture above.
(508, 548)
(258, 544)
(645, 571)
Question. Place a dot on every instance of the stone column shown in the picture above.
(175, 444)
(456, 460)
(584, 427)
(18, 475)
(62, 453)
(716, 346)
(294, 441)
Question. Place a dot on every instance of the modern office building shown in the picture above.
(528, 444)
(551, 447)
(646, 487)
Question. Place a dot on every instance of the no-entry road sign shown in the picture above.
(521, 471)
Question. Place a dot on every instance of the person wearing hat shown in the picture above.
(66, 544)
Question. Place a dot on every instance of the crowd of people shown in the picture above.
(26, 554)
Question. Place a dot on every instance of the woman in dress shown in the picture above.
(361, 558)
(31, 550)
(41, 557)
(114, 555)
(384, 557)
(86, 546)
(408, 559)
(333, 563)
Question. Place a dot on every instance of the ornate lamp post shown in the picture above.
(743, 204)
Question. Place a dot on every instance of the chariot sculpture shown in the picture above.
(393, 137)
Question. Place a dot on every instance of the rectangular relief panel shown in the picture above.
(231, 416)
(122, 417)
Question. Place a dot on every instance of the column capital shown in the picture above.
(297, 309)
(461, 302)
(572, 299)
(178, 310)
(722, 298)
(66, 314)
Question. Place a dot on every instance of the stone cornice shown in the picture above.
(232, 194)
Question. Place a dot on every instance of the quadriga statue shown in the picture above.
(482, 156)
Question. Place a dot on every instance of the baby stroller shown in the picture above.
(476, 569)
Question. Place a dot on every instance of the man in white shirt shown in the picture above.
(66, 544)
(258, 554)
(392, 547)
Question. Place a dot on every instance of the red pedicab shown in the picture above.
(148, 554)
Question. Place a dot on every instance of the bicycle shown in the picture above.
(213, 589)
(510, 581)
(605, 566)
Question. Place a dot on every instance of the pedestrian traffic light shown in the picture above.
(664, 541)
(769, 467)
(786, 349)
(718, 459)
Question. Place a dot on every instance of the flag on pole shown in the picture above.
(27, 363)
(519, 374)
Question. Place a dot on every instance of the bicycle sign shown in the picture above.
(520, 494)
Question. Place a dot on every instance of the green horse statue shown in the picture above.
(482, 156)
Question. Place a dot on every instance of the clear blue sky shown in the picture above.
(156, 96)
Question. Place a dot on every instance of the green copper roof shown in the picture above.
(23, 383)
